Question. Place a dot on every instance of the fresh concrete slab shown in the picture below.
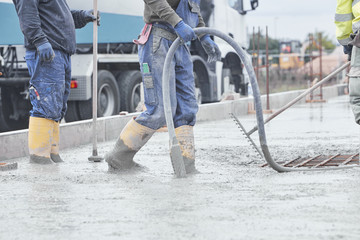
(232, 197)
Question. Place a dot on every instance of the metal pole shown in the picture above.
(267, 71)
(320, 74)
(258, 52)
(95, 157)
(311, 63)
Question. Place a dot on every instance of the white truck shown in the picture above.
(119, 77)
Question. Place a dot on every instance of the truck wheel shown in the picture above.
(14, 111)
(108, 97)
(130, 90)
(72, 112)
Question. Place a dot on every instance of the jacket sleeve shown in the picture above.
(27, 11)
(164, 11)
(79, 19)
(343, 21)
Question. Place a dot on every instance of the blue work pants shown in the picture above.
(182, 86)
(49, 84)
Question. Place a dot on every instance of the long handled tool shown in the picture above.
(288, 105)
(298, 98)
(95, 157)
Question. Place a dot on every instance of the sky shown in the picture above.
(293, 19)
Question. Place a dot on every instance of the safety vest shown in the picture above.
(347, 19)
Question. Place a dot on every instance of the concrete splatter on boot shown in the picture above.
(131, 139)
(54, 153)
(185, 136)
(41, 133)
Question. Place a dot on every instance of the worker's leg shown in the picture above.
(187, 107)
(54, 154)
(138, 131)
(354, 83)
(47, 86)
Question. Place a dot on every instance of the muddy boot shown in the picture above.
(41, 133)
(131, 139)
(54, 153)
(185, 136)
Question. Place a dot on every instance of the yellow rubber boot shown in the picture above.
(41, 133)
(185, 136)
(54, 153)
(131, 139)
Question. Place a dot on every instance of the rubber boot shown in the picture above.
(185, 136)
(54, 153)
(41, 133)
(131, 139)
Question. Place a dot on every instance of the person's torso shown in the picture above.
(58, 24)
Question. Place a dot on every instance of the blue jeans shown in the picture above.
(182, 85)
(49, 85)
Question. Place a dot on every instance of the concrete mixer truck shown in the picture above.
(119, 77)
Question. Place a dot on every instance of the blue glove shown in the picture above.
(185, 32)
(211, 49)
(89, 16)
(46, 52)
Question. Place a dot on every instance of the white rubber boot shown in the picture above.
(185, 136)
(41, 132)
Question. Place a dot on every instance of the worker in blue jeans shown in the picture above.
(49, 30)
(165, 21)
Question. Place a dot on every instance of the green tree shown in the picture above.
(327, 44)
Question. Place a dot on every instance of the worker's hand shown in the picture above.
(90, 17)
(185, 32)
(211, 49)
(348, 50)
(46, 52)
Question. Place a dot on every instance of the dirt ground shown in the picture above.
(232, 197)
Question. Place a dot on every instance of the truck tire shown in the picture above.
(130, 90)
(72, 112)
(14, 111)
(108, 98)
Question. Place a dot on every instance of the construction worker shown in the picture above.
(165, 21)
(347, 21)
(49, 30)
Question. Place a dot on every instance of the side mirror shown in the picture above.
(244, 6)
(254, 4)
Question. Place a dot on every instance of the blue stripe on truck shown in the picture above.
(10, 33)
(115, 28)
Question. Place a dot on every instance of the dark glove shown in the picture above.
(211, 49)
(46, 52)
(185, 32)
(89, 16)
(347, 50)
(355, 39)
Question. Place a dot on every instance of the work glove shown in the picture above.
(89, 16)
(211, 49)
(185, 32)
(347, 50)
(46, 52)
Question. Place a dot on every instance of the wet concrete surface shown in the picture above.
(232, 197)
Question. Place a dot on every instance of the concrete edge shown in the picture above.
(14, 144)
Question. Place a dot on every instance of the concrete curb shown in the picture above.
(14, 144)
